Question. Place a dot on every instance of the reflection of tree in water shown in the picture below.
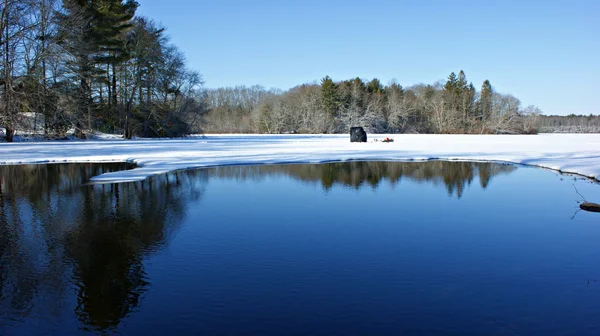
(124, 223)
(55, 232)
(32, 221)
(52, 226)
(454, 175)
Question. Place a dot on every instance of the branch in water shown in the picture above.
(577, 191)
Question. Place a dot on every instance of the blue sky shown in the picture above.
(546, 53)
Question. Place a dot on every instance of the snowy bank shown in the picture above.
(572, 153)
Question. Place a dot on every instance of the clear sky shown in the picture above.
(546, 53)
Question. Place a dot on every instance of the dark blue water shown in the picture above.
(448, 248)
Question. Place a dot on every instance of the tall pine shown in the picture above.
(114, 19)
(451, 90)
(330, 97)
(485, 101)
(92, 32)
(77, 38)
(465, 96)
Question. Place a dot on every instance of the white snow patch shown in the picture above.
(571, 153)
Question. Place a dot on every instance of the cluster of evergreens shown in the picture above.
(92, 64)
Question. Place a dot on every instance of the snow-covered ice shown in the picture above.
(572, 153)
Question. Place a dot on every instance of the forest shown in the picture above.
(453, 106)
(82, 66)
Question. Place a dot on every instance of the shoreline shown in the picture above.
(575, 154)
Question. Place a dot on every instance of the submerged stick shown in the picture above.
(578, 193)
(592, 207)
(587, 206)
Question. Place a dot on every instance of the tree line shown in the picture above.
(451, 106)
(85, 65)
(569, 124)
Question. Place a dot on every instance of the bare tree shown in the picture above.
(14, 25)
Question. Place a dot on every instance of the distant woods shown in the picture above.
(569, 124)
(453, 106)
(84, 65)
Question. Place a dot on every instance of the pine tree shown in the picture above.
(330, 98)
(451, 90)
(451, 83)
(76, 38)
(114, 19)
(395, 89)
(92, 32)
(485, 101)
(465, 95)
(471, 99)
(461, 83)
(375, 86)
(358, 82)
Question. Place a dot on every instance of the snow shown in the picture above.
(571, 153)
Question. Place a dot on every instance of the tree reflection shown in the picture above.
(454, 175)
(60, 238)
(55, 232)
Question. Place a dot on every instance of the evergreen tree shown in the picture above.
(451, 83)
(451, 91)
(461, 83)
(92, 32)
(485, 101)
(375, 86)
(357, 82)
(114, 19)
(330, 97)
(470, 97)
(77, 38)
(465, 95)
(395, 89)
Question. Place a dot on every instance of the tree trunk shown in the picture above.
(89, 110)
(126, 128)
(114, 86)
(108, 87)
(101, 96)
(78, 131)
(10, 134)
(83, 109)
(128, 133)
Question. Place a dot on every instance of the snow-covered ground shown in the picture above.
(573, 153)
